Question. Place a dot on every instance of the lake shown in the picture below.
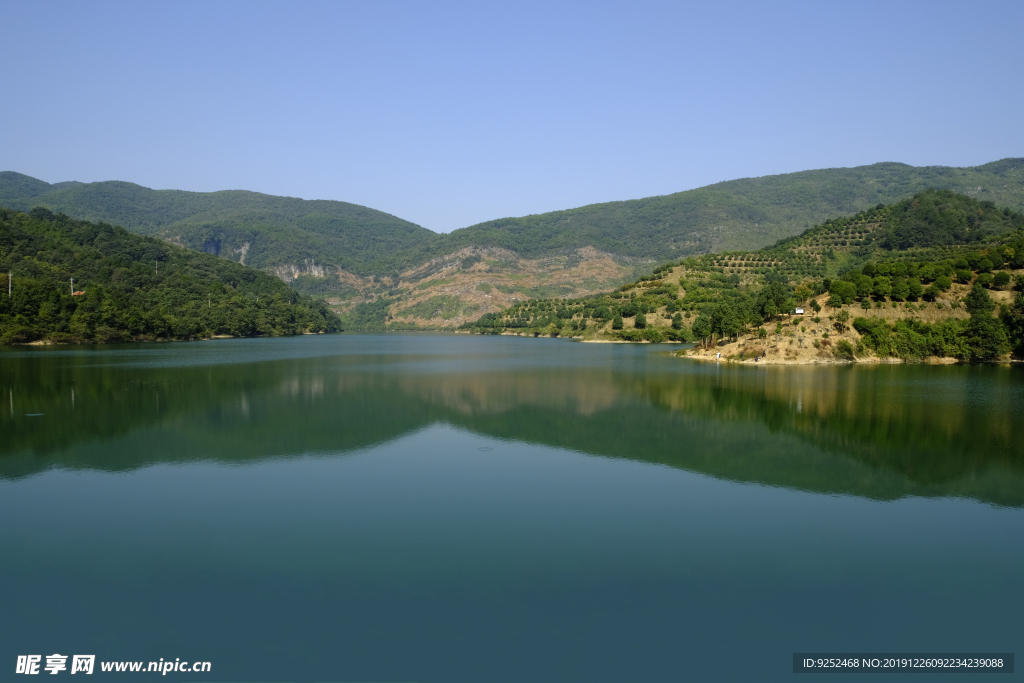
(453, 508)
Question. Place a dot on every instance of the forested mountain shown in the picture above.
(133, 288)
(290, 237)
(932, 275)
(740, 214)
(263, 231)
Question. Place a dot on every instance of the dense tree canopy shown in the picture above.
(129, 287)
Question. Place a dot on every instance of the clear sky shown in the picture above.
(450, 114)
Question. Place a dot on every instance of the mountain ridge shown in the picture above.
(352, 254)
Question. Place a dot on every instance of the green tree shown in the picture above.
(772, 300)
(900, 290)
(882, 287)
(842, 291)
(1013, 321)
(677, 321)
(701, 328)
(986, 336)
(725, 320)
(864, 285)
(640, 322)
(617, 322)
(978, 302)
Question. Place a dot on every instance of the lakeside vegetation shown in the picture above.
(904, 257)
(132, 288)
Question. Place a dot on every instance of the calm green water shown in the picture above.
(451, 508)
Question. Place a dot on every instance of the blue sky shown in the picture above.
(449, 114)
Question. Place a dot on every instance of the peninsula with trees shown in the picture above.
(937, 276)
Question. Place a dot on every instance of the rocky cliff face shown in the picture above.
(290, 271)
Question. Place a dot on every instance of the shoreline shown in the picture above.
(710, 357)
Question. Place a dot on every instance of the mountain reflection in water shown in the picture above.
(880, 432)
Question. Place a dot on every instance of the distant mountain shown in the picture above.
(749, 213)
(331, 248)
(283, 235)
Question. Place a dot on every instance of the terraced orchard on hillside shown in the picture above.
(933, 275)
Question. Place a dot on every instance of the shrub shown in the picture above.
(653, 335)
(913, 340)
(843, 350)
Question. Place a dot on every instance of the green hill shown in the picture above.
(290, 236)
(739, 214)
(133, 288)
(921, 277)
(263, 231)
